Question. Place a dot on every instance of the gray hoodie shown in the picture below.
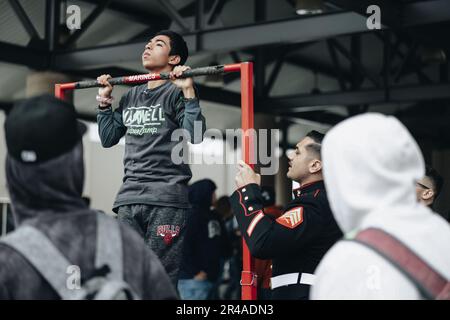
(148, 118)
(48, 197)
(371, 163)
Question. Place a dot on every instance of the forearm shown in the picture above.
(247, 205)
(189, 93)
(193, 120)
(110, 127)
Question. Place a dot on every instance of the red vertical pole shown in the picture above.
(59, 92)
(248, 278)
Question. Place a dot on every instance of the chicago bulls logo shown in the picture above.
(291, 218)
(168, 232)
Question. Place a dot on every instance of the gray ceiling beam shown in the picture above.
(320, 116)
(301, 29)
(390, 10)
(87, 23)
(420, 93)
(228, 39)
(426, 12)
(215, 11)
(311, 64)
(52, 24)
(11, 53)
(24, 19)
(174, 14)
(397, 14)
(287, 31)
(290, 104)
(356, 64)
(218, 95)
(126, 10)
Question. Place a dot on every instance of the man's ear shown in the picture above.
(174, 60)
(315, 166)
(428, 194)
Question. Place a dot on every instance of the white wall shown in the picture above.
(103, 170)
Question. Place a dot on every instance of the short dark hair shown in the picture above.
(223, 206)
(435, 178)
(315, 147)
(178, 46)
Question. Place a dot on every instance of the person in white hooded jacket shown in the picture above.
(371, 164)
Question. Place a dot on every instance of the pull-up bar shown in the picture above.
(141, 78)
(248, 277)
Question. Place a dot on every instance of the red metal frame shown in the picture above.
(60, 89)
(248, 277)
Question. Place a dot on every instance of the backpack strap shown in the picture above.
(39, 251)
(115, 290)
(430, 283)
(109, 246)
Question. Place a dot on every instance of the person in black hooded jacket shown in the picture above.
(45, 176)
(205, 244)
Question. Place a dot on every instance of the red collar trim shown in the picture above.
(308, 184)
(297, 191)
